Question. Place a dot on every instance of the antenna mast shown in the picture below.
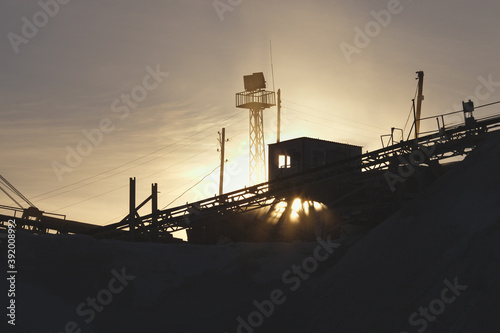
(272, 67)
(420, 98)
(279, 116)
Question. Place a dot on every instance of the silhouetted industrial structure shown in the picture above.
(290, 157)
(357, 190)
(256, 99)
(28, 217)
(326, 185)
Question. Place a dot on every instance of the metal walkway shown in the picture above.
(370, 179)
(350, 176)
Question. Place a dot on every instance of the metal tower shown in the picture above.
(255, 98)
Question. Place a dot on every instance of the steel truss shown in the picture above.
(354, 175)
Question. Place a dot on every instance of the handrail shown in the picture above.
(259, 193)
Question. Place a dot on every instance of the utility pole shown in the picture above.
(279, 115)
(420, 98)
(222, 142)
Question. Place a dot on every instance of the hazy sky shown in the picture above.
(140, 88)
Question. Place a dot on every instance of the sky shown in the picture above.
(95, 92)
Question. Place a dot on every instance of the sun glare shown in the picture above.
(296, 205)
(300, 207)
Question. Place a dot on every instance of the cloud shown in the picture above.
(65, 79)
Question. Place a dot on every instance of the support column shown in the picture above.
(154, 210)
(131, 212)
(420, 98)
(222, 141)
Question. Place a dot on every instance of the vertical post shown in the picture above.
(468, 108)
(154, 210)
(257, 165)
(154, 203)
(279, 115)
(271, 53)
(131, 212)
(414, 119)
(222, 141)
(420, 98)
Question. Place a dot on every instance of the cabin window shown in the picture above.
(284, 161)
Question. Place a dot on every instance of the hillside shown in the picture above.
(440, 251)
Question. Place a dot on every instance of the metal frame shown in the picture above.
(256, 101)
(344, 176)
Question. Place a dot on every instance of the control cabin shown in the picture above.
(297, 155)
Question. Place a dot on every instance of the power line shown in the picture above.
(180, 162)
(11, 197)
(331, 120)
(489, 104)
(409, 114)
(229, 140)
(96, 196)
(101, 173)
(161, 196)
(328, 113)
(120, 172)
(166, 193)
(130, 162)
(189, 189)
(327, 125)
(120, 187)
(177, 163)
